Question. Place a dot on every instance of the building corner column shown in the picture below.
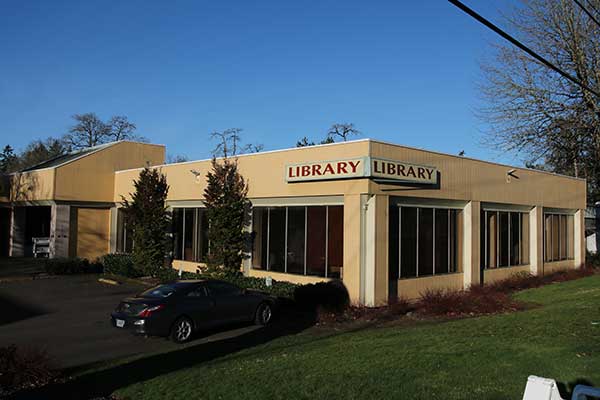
(536, 241)
(60, 221)
(579, 238)
(470, 245)
(352, 272)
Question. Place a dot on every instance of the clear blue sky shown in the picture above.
(401, 71)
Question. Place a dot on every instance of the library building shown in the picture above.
(386, 220)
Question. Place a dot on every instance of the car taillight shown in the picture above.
(145, 313)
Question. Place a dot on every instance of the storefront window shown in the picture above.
(190, 234)
(316, 237)
(299, 240)
(423, 241)
(124, 233)
(504, 239)
(558, 237)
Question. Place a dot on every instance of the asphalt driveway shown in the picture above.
(68, 316)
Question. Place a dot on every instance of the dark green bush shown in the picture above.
(278, 289)
(23, 368)
(330, 296)
(71, 266)
(120, 264)
(593, 259)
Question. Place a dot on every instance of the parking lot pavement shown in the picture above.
(68, 316)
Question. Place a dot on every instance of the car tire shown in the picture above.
(264, 314)
(182, 330)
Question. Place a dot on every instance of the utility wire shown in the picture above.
(585, 10)
(594, 9)
(521, 46)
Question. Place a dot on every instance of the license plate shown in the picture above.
(120, 323)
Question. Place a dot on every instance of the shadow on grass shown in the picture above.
(566, 389)
(14, 310)
(105, 382)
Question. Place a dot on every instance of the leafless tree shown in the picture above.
(90, 131)
(342, 131)
(253, 148)
(227, 142)
(534, 111)
(122, 129)
(176, 158)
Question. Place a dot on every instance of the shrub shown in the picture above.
(476, 301)
(515, 282)
(150, 221)
(120, 264)
(278, 289)
(330, 296)
(23, 368)
(71, 266)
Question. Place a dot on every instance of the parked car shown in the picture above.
(179, 309)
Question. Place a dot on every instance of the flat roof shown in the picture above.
(369, 140)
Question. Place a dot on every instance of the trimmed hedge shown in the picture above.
(277, 289)
(71, 266)
(120, 264)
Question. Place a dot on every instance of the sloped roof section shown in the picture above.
(65, 158)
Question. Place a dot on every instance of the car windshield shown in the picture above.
(161, 291)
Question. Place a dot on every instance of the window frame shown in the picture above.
(197, 230)
(569, 239)
(483, 223)
(453, 257)
(266, 235)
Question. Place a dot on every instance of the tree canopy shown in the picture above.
(537, 113)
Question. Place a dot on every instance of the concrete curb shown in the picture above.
(23, 278)
(108, 281)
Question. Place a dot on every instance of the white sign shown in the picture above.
(365, 167)
(401, 171)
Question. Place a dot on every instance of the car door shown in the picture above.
(199, 306)
(230, 304)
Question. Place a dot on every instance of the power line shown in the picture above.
(586, 11)
(594, 9)
(521, 46)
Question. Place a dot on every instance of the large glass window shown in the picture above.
(558, 237)
(316, 237)
(504, 239)
(299, 240)
(423, 241)
(124, 233)
(190, 234)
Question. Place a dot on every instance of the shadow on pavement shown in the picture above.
(104, 382)
(14, 310)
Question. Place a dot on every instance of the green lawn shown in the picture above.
(482, 358)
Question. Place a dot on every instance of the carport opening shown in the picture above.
(37, 226)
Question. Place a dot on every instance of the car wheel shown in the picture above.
(182, 330)
(264, 314)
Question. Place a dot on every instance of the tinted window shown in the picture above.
(198, 292)
(160, 291)
(218, 289)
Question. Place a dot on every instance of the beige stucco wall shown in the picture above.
(93, 232)
(463, 178)
(278, 276)
(551, 267)
(498, 274)
(91, 178)
(265, 173)
(412, 289)
(32, 186)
